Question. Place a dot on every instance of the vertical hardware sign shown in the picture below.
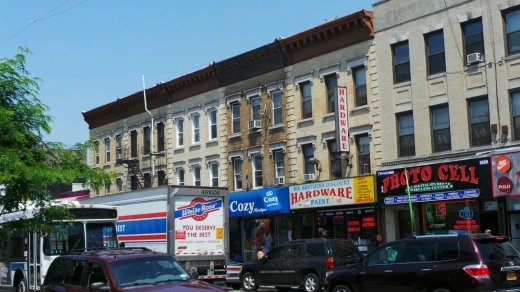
(342, 119)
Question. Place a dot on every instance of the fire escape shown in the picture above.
(131, 162)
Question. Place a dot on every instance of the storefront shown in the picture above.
(343, 208)
(447, 198)
(258, 218)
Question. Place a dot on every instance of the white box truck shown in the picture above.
(188, 222)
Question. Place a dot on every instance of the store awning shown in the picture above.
(259, 202)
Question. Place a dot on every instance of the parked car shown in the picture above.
(303, 263)
(121, 269)
(437, 263)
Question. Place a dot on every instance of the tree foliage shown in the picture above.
(28, 164)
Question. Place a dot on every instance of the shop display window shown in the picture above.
(451, 217)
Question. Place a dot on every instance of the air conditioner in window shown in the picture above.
(474, 58)
(308, 177)
(279, 181)
(255, 124)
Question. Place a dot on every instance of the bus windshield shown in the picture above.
(98, 235)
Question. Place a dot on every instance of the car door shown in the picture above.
(416, 263)
(291, 268)
(377, 272)
(268, 268)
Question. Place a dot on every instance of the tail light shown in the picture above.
(329, 264)
(477, 271)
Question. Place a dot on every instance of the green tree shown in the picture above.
(28, 164)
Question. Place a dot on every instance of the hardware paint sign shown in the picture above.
(350, 191)
(342, 119)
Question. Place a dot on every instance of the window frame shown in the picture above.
(402, 136)
(213, 173)
(160, 137)
(180, 174)
(466, 37)
(484, 125)
(107, 150)
(179, 128)
(195, 124)
(146, 140)
(255, 115)
(511, 47)
(405, 63)
(237, 175)
(96, 153)
(515, 115)
(276, 157)
(119, 183)
(434, 58)
(436, 147)
(306, 100)
(257, 169)
(360, 86)
(212, 129)
(334, 160)
(196, 169)
(363, 157)
(235, 118)
(277, 110)
(119, 146)
(330, 92)
(133, 143)
(307, 165)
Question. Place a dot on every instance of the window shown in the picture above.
(335, 159)
(331, 82)
(235, 111)
(212, 124)
(406, 135)
(512, 21)
(255, 108)
(133, 182)
(119, 146)
(473, 37)
(237, 172)
(363, 147)
(180, 176)
(161, 178)
(435, 51)
(180, 132)
(401, 54)
(196, 175)
(97, 153)
(119, 183)
(160, 137)
(277, 108)
(386, 255)
(305, 89)
(279, 164)
(133, 143)
(360, 82)
(480, 127)
(515, 103)
(146, 140)
(107, 150)
(441, 129)
(257, 170)
(195, 120)
(107, 188)
(308, 158)
(147, 180)
(213, 169)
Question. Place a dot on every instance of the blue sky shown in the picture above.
(91, 52)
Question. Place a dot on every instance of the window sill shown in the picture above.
(277, 126)
(235, 135)
(179, 148)
(436, 76)
(360, 108)
(308, 120)
(255, 131)
(403, 84)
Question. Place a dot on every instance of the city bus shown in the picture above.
(21, 254)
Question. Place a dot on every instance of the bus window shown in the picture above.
(101, 235)
(17, 246)
(4, 248)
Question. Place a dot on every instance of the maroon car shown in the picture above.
(121, 269)
(436, 263)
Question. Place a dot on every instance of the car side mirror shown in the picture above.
(265, 258)
(99, 286)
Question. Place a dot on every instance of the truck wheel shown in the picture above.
(311, 283)
(248, 282)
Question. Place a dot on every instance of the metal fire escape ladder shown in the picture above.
(132, 164)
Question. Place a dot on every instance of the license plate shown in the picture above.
(511, 276)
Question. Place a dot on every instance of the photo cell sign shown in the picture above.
(351, 191)
(342, 119)
(453, 180)
(505, 169)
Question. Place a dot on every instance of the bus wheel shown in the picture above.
(20, 286)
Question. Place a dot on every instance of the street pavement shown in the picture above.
(262, 289)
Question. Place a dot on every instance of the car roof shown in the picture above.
(474, 236)
(114, 254)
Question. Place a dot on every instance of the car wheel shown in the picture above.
(248, 282)
(341, 288)
(282, 289)
(441, 290)
(311, 283)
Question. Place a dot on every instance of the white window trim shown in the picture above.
(297, 80)
(193, 128)
(326, 137)
(175, 121)
(328, 70)
(210, 105)
(177, 115)
(279, 145)
(208, 110)
(351, 64)
(252, 157)
(236, 153)
(260, 106)
(255, 150)
(234, 98)
(250, 93)
(306, 140)
(177, 174)
(273, 87)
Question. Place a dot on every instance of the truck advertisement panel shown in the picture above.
(199, 226)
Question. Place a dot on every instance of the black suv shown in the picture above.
(436, 263)
(303, 263)
(121, 269)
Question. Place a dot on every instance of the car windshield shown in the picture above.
(147, 271)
